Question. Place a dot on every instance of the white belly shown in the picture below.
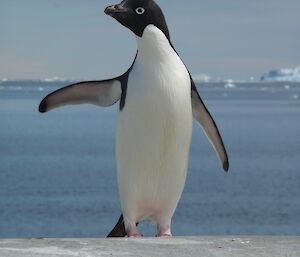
(153, 138)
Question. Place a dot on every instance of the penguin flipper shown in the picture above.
(202, 115)
(103, 93)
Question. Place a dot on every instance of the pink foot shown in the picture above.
(134, 234)
(164, 233)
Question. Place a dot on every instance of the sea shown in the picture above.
(58, 170)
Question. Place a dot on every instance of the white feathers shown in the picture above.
(140, 10)
(154, 132)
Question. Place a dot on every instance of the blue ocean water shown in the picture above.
(58, 171)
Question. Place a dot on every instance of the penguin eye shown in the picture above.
(140, 10)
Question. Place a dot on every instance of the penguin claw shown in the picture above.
(165, 233)
(135, 236)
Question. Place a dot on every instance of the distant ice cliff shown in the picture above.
(288, 75)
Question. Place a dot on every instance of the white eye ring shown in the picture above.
(140, 10)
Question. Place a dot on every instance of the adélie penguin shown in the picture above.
(158, 100)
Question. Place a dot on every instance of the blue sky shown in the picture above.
(229, 39)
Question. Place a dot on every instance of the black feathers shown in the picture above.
(129, 14)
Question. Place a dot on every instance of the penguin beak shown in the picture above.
(113, 9)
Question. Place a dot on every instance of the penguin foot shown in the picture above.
(134, 234)
(164, 233)
(131, 228)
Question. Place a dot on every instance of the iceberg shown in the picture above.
(55, 79)
(229, 84)
(201, 78)
(283, 75)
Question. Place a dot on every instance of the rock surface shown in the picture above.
(185, 246)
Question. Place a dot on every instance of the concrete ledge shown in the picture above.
(185, 246)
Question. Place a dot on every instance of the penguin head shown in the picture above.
(136, 15)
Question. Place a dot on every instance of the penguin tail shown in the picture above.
(119, 229)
